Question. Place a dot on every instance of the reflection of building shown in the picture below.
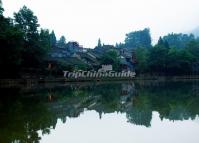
(128, 90)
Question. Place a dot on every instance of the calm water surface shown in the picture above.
(122, 112)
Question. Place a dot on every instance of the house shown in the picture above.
(106, 68)
(71, 49)
(74, 47)
(59, 53)
(89, 58)
(105, 48)
(127, 58)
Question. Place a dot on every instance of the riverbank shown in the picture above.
(35, 81)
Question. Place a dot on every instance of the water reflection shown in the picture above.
(24, 112)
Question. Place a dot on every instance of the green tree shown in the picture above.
(53, 39)
(35, 43)
(185, 61)
(99, 44)
(45, 40)
(11, 41)
(62, 42)
(179, 61)
(1, 8)
(178, 40)
(158, 56)
(28, 23)
(193, 48)
(142, 59)
(173, 61)
(111, 57)
(137, 39)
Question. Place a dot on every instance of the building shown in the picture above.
(106, 68)
(59, 53)
(127, 59)
(74, 47)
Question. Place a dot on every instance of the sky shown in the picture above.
(86, 21)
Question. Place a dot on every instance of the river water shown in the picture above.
(116, 112)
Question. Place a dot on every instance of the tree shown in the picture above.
(99, 45)
(137, 39)
(62, 42)
(27, 22)
(35, 43)
(1, 8)
(45, 40)
(171, 60)
(173, 65)
(185, 59)
(193, 48)
(142, 59)
(53, 39)
(158, 56)
(11, 41)
(178, 40)
(111, 57)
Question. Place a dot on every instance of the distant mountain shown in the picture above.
(195, 32)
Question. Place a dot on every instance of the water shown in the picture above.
(122, 112)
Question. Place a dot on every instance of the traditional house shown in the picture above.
(74, 47)
(106, 68)
(127, 59)
(59, 53)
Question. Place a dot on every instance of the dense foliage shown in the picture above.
(167, 60)
(137, 39)
(23, 46)
(178, 40)
(53, 39)
(174, 54)
(1, 8)
(11, 41)
(111, 57)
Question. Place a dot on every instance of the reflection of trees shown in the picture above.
(173, 100)
(20, 119)
(141, 112)
(179, 113)
(139, 117)
(23, 114)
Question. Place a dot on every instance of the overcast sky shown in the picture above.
(87, 20)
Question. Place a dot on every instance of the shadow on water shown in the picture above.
(24, 112)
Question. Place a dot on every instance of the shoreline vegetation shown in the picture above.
(28, 52)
